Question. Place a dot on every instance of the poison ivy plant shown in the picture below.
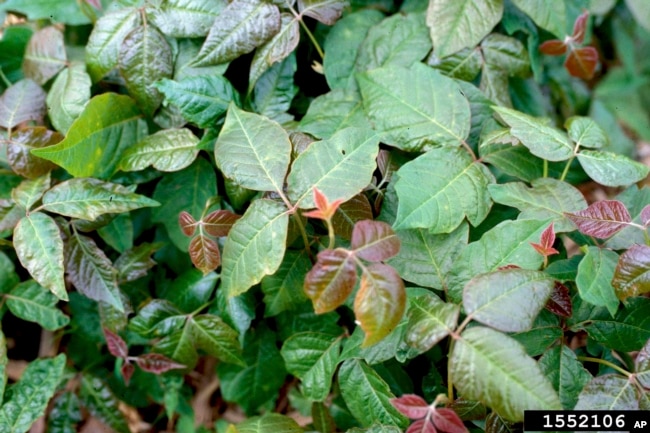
(321, 215)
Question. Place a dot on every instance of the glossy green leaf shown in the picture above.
(269, 423)
(283, 290)
(429, 321)
(216, 338)
(511, 381)
(545, 332)
(516, 161)
(23, 101)
(367, 395)
(324, 165)
(332, 112)
(506, 244)
(91, 272)
(611, 169)
(65, 414)
(88, 198)
(118, 233)
(166, 150)
(97, 398)
(585, 132)
(8, 276)
(30, 191)
(241, 27)
(545, 198)
(567, 375)
(157, 317)
(68, 96)
(106, 39)
(61, 11)
(629, 330)
(548, 15)
(19, 151)
(186, 190)
(521, 292)
(608, 392)
(399, 40)
(39, 248)
(461, 24)
(201, 100)
(45, 55)
(594, 279)
(32, 302)
(329, 283)
(411, 122)
(185, 18)
(255, 246)
(92, 150)
(312, 357)
(135, 262)
(253, 150)
(632, 274)
(537, 135)
(12, 46)
(191, 290)
(506, 54)
(179, 345)
(274, 91)
(453, 178)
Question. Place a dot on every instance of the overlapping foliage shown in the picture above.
(348, 207)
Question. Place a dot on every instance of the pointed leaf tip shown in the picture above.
(547, 239)
(127, 371)
(553, 47)
(157, 363)
(560, 301)
(601, 219)
(116, 346)
(187, 223)
(579, 27)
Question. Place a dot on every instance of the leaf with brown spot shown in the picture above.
(331, 280)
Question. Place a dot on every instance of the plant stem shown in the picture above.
(4, 78)
(605, 362)
(545, 172)
(469, 149)
(450, 381)
(330, 233)
(310, 35)
(566, 168)
(303, 232)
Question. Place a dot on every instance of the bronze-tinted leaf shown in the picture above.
(545, 245)
(582, 62)
(446, 420)
(560, 301)
(45, 55)
(127, 371)
(331, 280)
(602, 219)
(205, 254)
(219, 222)
(187, 223)
(380, 302)
(116, 346)
(421, 426)
(23, 101)
(156, 363)
(349, 213)
(579, 27)
(374, 241)
(19, 151)
(554, 47)
(411, 405)
(632, 275)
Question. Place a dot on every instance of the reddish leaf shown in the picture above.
(331, 280)
(602, 219)
(324, 209)
(560, 301)
(116, 346)
(411, 405)
(645, 216)
(97, 4)
(446, 420)
(127, 372)
(421, 426)
(156, 363)
(545, 245)
(579, 27)
(187, 223)
(349, 213)
(374, 241)
(632, 275)
(582, 62)
(554, 47)
(219, 222)
(380, 302)
(204, 253)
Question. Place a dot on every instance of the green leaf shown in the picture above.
(611, 169)
(8, 276)
(185, 18)
(255, 246)
(134, 263)
(61, 11)
(312, 357)
(179, 345)
(186, 190)
(415, 124)
(453, 178)
(283, 290)
(463, 65)
(567, 375)
(429, 321)
(108, 125)
(399, 40)
(608, 392)
(106, 39)
(628, 331)
(594, 279)
(12, 48)
(542, 139)
(506, 55)
(515, 161)
(45, 55)
(367, 395)
(253, 150)
(65, 414)
(68, 96)
(88, 198)
(118, 233)
(19, 151)
(506, 244)
(97, 398)
(217, 339)
(23, 101)
(201, 100)
(39, 248)
(545, 332)
(91, 272)
(166, 150)
(32, 302)
(325, 165)
(30, 395)
(632, 275)
(269, 423)
(639, 12)
(545, 198)
(586, 133)
(342, 46)
(511, 381)
(30, 191)
(332, 112)
(241, 27)
(522, 293)
(461, 24)
(275, 90)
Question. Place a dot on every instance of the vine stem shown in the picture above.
(545, 172)
(605, 362)
(568, 163)
(469, 149)
(303, 233)
(310, 35)
(4, 78)
(330, 233)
